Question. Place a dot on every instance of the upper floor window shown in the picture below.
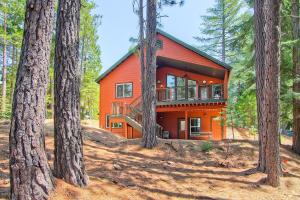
(217, 91)
(170, 95)
(180, 83)
(123, 90)
(191, 89)
(203, 92)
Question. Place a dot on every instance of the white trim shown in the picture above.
(106, 120)
(195, 133)
(123, 92)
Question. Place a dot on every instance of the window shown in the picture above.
(107, 121)
(170, 93)
(204, 93)
(123, 90)
(191, 89)
(159, 44)
(195, 126)
(180, 83)
(117, 125)
(217, 91)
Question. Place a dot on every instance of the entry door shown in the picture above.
(216, 128)
(181, 128)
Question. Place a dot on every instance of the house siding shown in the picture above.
(129, 71)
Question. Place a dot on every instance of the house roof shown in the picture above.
(167, 35)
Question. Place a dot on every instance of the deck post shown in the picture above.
(186, 125)
(126, 129)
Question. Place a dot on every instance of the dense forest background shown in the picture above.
(11, 34)
(226, 32)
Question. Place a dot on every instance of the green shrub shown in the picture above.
(206, 146)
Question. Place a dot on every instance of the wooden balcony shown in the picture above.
(200, 95)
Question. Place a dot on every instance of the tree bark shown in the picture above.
(30, 175)
(149, 139)
(296, 73)
(260, 76)
(272, 72)
(3, 106)
(69, 161)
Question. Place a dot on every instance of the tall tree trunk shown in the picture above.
(296, 73)
(69, 161)
(260, 76)
(3, 106)
(30, 175)
(223, 32)
(272, 72)
(142, 48)
(149, 97)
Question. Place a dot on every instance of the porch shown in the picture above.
(197, 124)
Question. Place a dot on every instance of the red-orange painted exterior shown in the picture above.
(167, 116)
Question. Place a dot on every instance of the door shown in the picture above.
(181, 128)
(129, 132)
(216, 128)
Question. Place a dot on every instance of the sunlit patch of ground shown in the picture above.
(176, 169)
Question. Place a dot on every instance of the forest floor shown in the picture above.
(175, 169)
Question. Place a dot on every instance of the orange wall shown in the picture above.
(128, 71)
(175, 51)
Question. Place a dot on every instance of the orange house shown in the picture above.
(192, 90)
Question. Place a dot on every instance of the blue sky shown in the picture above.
(119, 23)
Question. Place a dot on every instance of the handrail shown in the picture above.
(170, 94)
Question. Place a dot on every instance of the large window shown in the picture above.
(123, 90)
(204, 93)
(191, 89)
(217, 91)
(170, 93)
(180, 88)
(195, 126)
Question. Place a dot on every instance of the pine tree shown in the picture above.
(220, 29)
(271, 82)
(260, 74)
(68, 142)
(149, 97)
(30, 174)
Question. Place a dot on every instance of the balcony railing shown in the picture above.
(203, 93)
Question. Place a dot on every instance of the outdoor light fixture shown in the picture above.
(158, 81)
(204, 82)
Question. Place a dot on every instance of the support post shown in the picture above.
(186, 125)
(126, 129)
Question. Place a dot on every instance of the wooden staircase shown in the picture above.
(133, 116)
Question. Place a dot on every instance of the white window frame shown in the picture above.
(123, 92)
(117, 125)
(194, 133)
(107, 121)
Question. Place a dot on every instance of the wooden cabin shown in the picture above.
(192, 92)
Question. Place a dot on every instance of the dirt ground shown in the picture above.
(120, 169)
